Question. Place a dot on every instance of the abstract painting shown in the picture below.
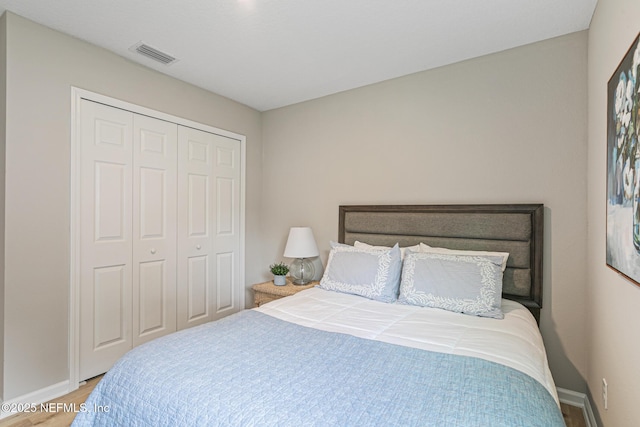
(623, 166)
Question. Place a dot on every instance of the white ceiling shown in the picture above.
(271, 53)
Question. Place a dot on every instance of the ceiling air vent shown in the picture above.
(153, 53)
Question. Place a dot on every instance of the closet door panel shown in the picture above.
(109, 287)
(197, 243)
(110, 201)
(198, 202)
(152, 289)
(154, 225)
(196, 269)
(227, 174)
(105, 237)
(197, 288)
(225, 279)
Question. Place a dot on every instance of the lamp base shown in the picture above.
(301, 271)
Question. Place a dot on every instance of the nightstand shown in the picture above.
(267, 291)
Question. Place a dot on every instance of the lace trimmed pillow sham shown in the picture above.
(460, 283)
(371, 273)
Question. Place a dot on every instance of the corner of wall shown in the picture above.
(3, 126)
(592, 413)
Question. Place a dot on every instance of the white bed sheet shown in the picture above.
(514, 341)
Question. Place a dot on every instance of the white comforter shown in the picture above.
(514, 341)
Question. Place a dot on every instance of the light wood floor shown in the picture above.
(54, 418)
(573, 416)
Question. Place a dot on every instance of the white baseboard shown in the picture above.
(580, 400)
(34, 398)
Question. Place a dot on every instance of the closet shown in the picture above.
(159, 243)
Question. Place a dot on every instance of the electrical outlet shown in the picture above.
(605, 393)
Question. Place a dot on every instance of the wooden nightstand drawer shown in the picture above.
(267, 291)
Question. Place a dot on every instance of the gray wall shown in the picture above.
(613, 301)
(41, 67)
(3, 111)
(504, 128)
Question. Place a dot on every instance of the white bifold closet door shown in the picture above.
(208, 243)
(159, 236)
(106, 237)
(154, 227)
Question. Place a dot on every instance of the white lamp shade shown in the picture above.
(301, 243)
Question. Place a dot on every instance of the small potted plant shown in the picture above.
(279, 272)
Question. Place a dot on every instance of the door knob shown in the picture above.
(153, 250)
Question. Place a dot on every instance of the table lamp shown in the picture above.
(301, 245)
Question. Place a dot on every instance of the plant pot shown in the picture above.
(279, 280)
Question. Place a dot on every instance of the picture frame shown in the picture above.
(623, 166)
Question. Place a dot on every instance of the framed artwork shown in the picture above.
(623, 166)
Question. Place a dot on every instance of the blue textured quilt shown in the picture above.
(250, 369)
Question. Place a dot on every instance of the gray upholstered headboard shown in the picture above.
(516, 229)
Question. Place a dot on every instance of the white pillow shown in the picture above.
(371, 273)
(363, 245)
(429, 249)
(468, 284)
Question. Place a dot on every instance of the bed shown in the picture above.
(349, 354)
